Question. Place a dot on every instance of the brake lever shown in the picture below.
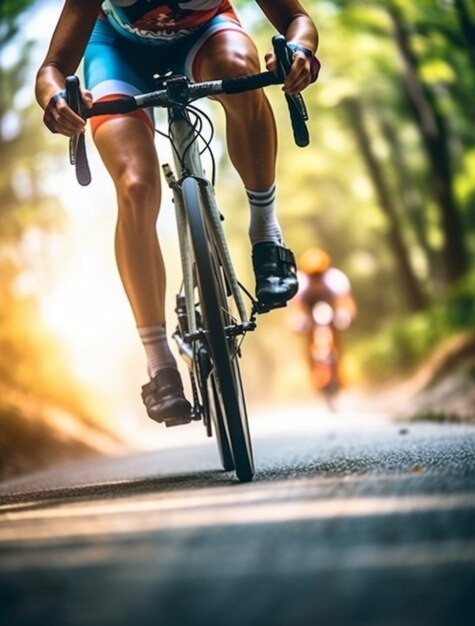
(296, 104)
(77, 143)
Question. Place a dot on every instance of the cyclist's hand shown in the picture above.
(60, 118)
(304, 70)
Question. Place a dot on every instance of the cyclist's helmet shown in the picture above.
(314, 261)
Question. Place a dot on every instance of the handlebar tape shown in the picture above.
(122, 105)
(246, 83)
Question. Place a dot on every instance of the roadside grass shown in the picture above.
(405, 344)
(440, 417)
(429, 357)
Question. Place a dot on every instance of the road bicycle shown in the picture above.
(212, 316)
(323, 353)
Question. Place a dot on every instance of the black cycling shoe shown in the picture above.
(164, 398)
(276, 274)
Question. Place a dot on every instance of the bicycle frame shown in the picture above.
(187, 161)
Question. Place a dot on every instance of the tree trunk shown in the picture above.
(467, 28)
(412, 201)
(434, 135)
(415, 297)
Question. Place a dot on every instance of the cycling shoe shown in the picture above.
(164, 398)
(276, 274)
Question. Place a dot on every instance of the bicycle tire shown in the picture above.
(212, 413)
(224, 449)
(213, 302)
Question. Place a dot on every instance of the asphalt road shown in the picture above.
(351, 519)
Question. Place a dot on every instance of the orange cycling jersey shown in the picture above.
(158, 21)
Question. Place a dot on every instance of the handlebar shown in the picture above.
(179, 92)
(297, 109)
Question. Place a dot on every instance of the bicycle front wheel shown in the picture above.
(216, 318)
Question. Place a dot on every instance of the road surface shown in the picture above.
(351, 519)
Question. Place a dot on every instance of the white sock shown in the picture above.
(264, 225)
(157, 350)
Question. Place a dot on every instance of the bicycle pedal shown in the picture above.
(196, 415)
(261, 307)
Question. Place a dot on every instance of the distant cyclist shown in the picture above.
(324, 298)
(125, 42)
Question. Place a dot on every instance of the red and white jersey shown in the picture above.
(331, 284)
(158, 21)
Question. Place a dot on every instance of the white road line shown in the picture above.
(135, 516)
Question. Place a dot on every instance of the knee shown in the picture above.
(239, 62)
(243, 62)
(138, 199)
(233, 63)
(136, 190)
(227, 58)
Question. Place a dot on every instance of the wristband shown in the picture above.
(48, 117)
(315, 64)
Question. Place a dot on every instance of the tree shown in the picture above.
(433, 128)
(438, 106)
(466, 21)
(409, 283)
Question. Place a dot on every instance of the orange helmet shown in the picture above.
(314, 261)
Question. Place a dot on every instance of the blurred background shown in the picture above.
(387, 187)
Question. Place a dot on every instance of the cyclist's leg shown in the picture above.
(126, 145)
(252, 145)
(250, 128)
(135, 175)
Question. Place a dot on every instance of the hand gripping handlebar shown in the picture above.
(297, 110)
(77, 144)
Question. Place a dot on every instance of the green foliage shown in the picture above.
(9, 11)
(12, 8)
(402, 345)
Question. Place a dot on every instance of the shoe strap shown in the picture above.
(285, 255)
(273, 253)
(162, 379)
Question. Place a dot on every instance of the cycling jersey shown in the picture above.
(332, 287)
(158, 21)
(332, 283)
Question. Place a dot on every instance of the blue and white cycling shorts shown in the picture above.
(115, 67)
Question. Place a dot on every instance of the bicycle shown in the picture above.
(212, 318)
(324, 354)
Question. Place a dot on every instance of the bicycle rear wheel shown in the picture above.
(226, 382)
